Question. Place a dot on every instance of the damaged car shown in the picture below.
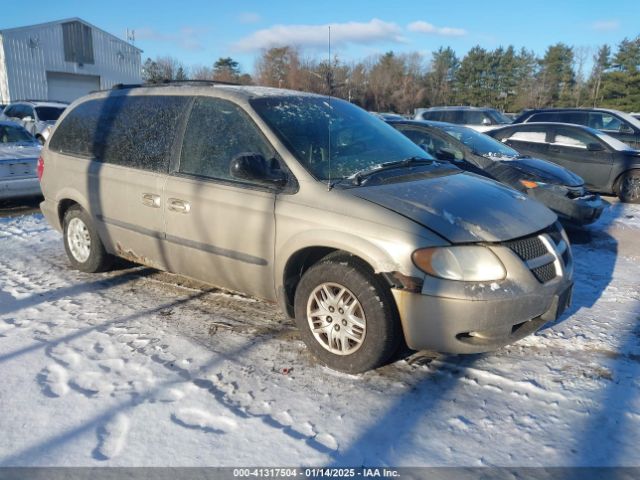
(362, 237)
(607, 165)
(559, 189)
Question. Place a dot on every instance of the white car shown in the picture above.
(37, 117)
(479, 118)
(19, 152)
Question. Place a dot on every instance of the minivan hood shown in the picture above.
(546, 171)
(463, 207)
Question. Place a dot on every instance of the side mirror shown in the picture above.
(486, 121)
(595, 147)
(254, 168)
(624, 128)
(27, 119)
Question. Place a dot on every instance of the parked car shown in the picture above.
(635, 115)
(311, 202)
(19, 153)
(478, 118)
(558, 188)
(36, 116)
(615, 123)
(606, 164)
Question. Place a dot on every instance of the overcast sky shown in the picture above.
(199, 32)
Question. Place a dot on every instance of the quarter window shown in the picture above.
(218, 131)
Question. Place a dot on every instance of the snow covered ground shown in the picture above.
(137, 367)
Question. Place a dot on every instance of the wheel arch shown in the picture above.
(302, 257)
(616, 183)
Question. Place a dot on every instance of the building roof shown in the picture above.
(66, 20)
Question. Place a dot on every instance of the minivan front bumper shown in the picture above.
(452, 325)
(472, 317)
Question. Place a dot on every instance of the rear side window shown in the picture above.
(544, 117)
(570, 138)
(433, 116)
(474, 117)
(451, 116)
(133, 131)
(533, 136)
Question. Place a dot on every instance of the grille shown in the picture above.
(527, 248)
(545, 273)
(532, 247)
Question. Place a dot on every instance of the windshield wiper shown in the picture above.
(358, 177)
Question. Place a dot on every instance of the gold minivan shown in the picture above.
(311, 202)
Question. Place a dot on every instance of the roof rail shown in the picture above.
(205, 82)
(32, 100)
(162, 83)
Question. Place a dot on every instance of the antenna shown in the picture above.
(131, 36)
(329, 84)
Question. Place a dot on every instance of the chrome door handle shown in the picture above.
(151, 200)
(180, 206)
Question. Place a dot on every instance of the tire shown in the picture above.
(354, 343)
(629, 187)
(82, 243)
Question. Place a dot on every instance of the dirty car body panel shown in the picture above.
(363, 189)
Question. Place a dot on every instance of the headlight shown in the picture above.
(467, 263)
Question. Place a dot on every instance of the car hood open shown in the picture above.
(463, 207)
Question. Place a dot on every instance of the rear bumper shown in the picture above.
(578, 211)
(50, 213)
(19, 187)
(453, 325)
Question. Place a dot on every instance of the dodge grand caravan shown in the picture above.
(308, 201)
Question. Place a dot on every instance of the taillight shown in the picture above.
(40, 167)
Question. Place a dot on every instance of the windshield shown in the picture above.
(14, 134)
(331, 138)
(630, 118)
(611, 141)
(49, 114)
(499, 118)
(479, 143)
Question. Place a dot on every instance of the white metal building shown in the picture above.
(63, 60)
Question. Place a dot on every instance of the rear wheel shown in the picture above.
(629, 187)
(82, 243)
(346, 315)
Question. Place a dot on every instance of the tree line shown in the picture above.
(504, 78)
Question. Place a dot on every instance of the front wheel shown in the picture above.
(629, 188)
(82, 243)
(346, 315)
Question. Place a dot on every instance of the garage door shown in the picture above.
(67, 87)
